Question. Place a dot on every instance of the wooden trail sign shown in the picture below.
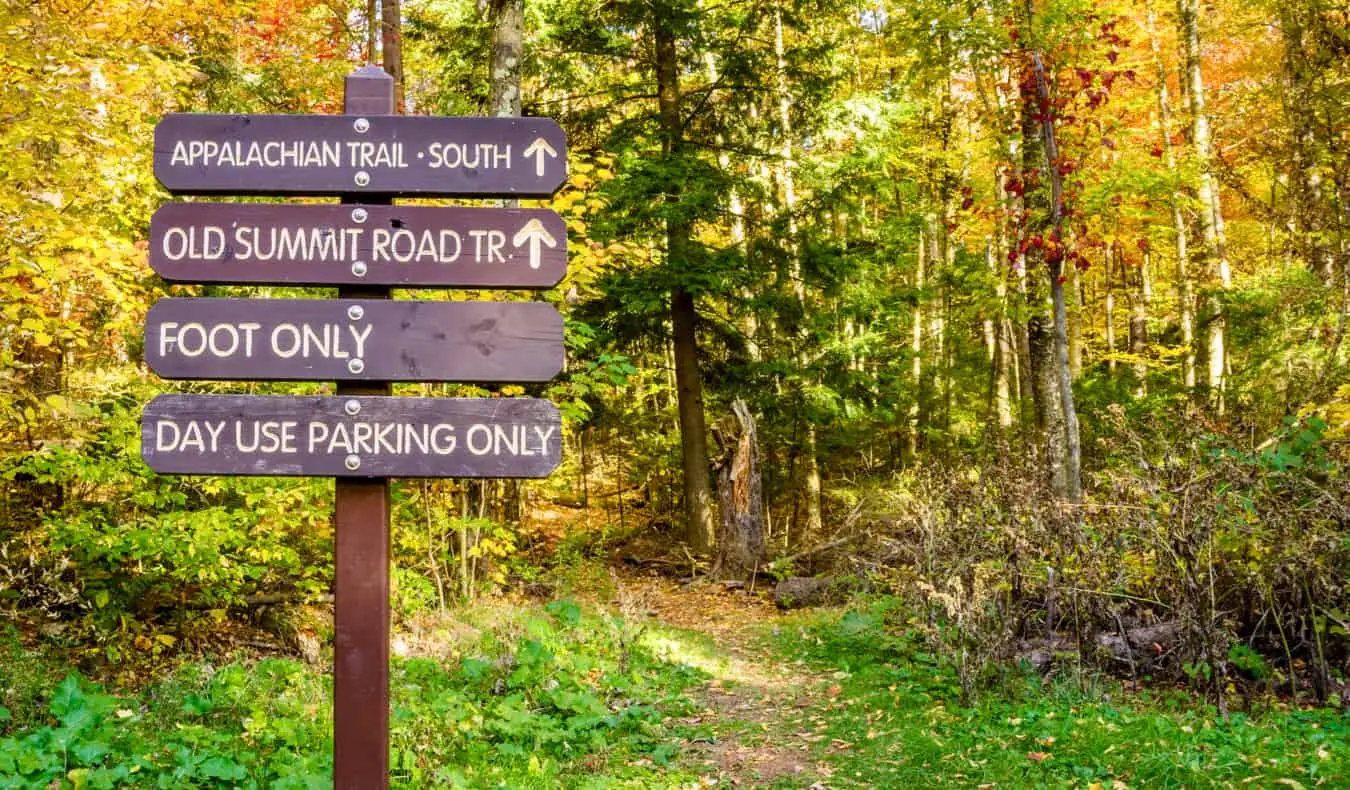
(204, 154)
(353, 340)
(351, 436)
(363, 340)
(405, 246)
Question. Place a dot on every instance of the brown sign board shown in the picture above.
(351, 436)
(353, 340)
(405, 246)
(206, 154)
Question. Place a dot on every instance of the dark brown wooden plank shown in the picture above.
(351, 436)
(206, 154)
(405, 246)
(353, 340)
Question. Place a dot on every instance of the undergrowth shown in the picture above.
(564, 698)
(896, 721)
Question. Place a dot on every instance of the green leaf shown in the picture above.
(90, 752)
(67, 696)
(221, 768)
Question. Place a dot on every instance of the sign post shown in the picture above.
(361, 575)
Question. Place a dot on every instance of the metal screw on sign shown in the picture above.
(353, 462)
(361, 125)
(362, 178)
(352, 407)
(356, 366)
(359, 215)
(359, 268)
(356, 312)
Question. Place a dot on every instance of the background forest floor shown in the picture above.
(650, 682)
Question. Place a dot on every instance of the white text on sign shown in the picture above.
(354, 154)
(253, 243)
(284, 341)
(316, 437)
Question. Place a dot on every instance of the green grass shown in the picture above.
(549, 699)
(896, 722)
(563, 698)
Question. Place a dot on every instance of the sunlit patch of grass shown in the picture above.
(897, 722)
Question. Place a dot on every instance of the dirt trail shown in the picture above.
(762, 711)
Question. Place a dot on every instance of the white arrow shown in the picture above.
(534, 233)
(538, 149)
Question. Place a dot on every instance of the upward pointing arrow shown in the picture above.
(534, 233)
(538, 149)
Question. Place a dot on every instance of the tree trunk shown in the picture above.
(1215, 256)
(1074, 329)
(1308, 203)
(392, 44)
(683, 315)
(1185, 289)
(372, 31)
(740, 544)
(1109, 262)
(1002, 351)
(810, 489)
(916, 410)
(1040, 151)
(508, 35)
(1139, 302)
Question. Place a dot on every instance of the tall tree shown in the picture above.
(1046, 250)
(665, 23)
(1214, 253)
(1176, 200)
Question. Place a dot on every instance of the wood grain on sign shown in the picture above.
(353, 340)
(205, 154)
(351, 436)
(406, 246)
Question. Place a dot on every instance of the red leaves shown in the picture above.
(1143, 245)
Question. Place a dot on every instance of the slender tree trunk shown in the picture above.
(1040, 150)
(1139, 303)
(1185, 288)
(736, 226)
(810, 490)
(372, 31)
(505, 100)
(683, 314)
(1002, 353)
(508, 36)
(1309, 204)
(916, 410)
(1109, 262)
(1211, 213)
(392, 46)
(1075, 326)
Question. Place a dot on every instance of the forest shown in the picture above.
(955, 394)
